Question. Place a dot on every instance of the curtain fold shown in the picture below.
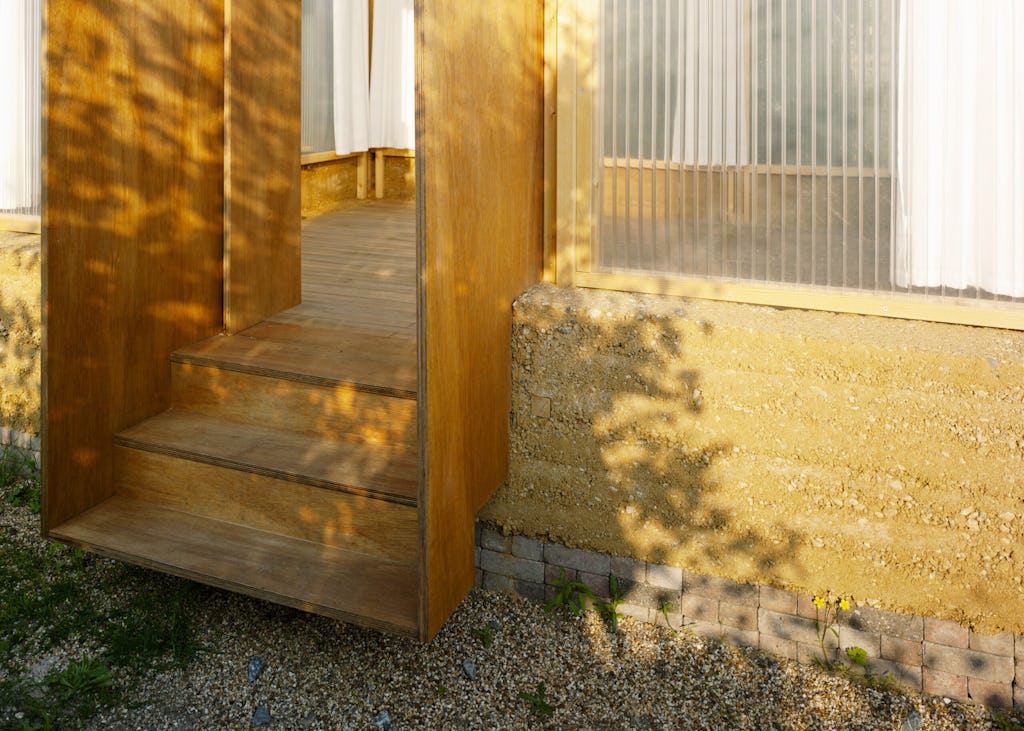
(392, 76)
(710, 121)
(351, 73)
(960, 157)
(20, 112)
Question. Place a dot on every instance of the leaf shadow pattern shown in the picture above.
(614, 449)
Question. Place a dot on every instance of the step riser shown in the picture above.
(336, 412)
(352, 522)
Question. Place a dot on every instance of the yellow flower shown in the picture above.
(844, 604)
(819, 601)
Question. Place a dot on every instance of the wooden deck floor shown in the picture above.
(357, 320)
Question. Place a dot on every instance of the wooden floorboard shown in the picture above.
(344, 584)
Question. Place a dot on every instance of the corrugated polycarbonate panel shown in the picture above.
(756, 140)
(20, 108)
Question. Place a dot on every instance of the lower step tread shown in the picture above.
(386, 472)
(343, 584)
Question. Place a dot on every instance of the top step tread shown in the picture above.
(364, 362)
(387, 472)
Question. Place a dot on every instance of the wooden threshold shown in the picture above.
(310, 576)
(381, 471)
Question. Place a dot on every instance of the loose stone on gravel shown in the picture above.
(256, 666)
(261, 717)
(469, 668)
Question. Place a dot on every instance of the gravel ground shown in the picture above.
(321, 674)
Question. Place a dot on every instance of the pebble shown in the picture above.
(261, 716)
(382, 720)
(256, 665)
(469, 668)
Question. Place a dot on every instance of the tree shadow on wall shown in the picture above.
(620, 445)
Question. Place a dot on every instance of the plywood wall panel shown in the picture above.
(481, 97)
(263, 139)
(132, 221)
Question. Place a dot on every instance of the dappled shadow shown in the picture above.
(615, 448)
(20, 332)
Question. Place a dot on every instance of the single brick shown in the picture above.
(1001, 644)
(699, 608)
(664, 577)
(882, 622)
(945, 632)
(479, 577)
(476, 556)
(553, 573)
(738, 616)
(935, 682)
(496, 582)
(646, 595)
(640, 614)
(907, 675)
(777, 600)
(719, 588)
(576, 558)
(811, 654)
(778, 646)
(906, 652)
(1018, 697)
(805, 607)
(705, 629)
(530, 548)
(492, 540)
(956, 661)
(789, 626)
(1018, 647)
(740, 637)
(511, 566)
(867, 641)
(993, 695)
(598, 584)
(627, 568)
(530, 589)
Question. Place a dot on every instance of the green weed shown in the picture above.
(17, 465)
(486, 635)
(610, 609)
(539, 705)
(571, 598)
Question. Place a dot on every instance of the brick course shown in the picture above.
(938, 656)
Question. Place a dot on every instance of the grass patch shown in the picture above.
(122, 621)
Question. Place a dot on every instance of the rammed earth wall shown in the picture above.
(936, 656)
(20, 336)
(777, 450)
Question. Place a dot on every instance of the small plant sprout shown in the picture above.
(826, 614)
(571, 597)
(486, 635)
(858, 656)
(539, 705)
(610, 609)
(663, 608)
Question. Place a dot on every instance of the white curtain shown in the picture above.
(392, 76)
(351, 75)
(20, 96)
(960, 157)
(710, 124)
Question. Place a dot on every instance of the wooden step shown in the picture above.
(340, 519)
(383, 472)
(353, 365)
(311, 576)
(315, 410)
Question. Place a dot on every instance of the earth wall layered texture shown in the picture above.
(329, 186)
(804, 450)
(20, 333)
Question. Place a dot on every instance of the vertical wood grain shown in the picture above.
(481, 108)
(132, 222)
(262, 174)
